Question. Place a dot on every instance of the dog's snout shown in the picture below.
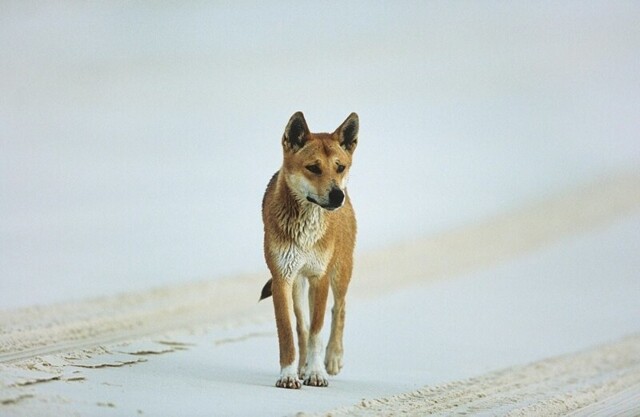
(336, 197)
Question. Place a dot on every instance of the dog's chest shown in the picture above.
(294, 261)
(302, 255)
(307, 228)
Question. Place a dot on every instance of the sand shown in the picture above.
(135, 144)
(507, 302)
(602, 381)
(42, 330)
(136, 141)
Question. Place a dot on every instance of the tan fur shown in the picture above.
(308, 242)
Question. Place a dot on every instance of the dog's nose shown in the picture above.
(336, 197)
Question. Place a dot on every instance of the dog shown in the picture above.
(309, 237)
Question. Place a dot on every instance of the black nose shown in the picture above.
(336, 197)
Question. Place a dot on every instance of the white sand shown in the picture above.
(532, 291)
(136, 141)
(606, 379)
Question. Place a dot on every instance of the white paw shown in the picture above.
(288, 378)
(317, 378)
(333, 361)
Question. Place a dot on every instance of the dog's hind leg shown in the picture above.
(333, 356)
(315, 374)
(301, 309)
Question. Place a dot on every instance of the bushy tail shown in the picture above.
(266, 290)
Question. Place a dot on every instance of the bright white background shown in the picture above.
(136, 140)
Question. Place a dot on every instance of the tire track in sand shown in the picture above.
(600, 381)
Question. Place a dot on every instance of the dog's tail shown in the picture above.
(266, 290)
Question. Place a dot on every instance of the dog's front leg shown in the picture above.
(315, 374)
(283, 306)
(301, 308)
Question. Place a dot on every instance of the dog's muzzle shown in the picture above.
(336, 199)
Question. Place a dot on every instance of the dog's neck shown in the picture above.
(304, 222)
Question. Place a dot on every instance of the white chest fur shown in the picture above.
(308, 227)
(301, 256)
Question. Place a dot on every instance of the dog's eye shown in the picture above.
(340, 168)
(314, 168)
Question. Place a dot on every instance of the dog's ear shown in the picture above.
(348, 133)
(296, 133)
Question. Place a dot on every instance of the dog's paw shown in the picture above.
(333, 361)
(291, 382)
(316, 379)
(288, 378)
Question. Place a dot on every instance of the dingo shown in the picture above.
(309, 235)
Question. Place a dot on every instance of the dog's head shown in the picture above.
(316, 165)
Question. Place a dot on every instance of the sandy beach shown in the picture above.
(521, 314)
(495, 183)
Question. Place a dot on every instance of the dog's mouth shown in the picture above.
(324, 206)
(329, 207)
